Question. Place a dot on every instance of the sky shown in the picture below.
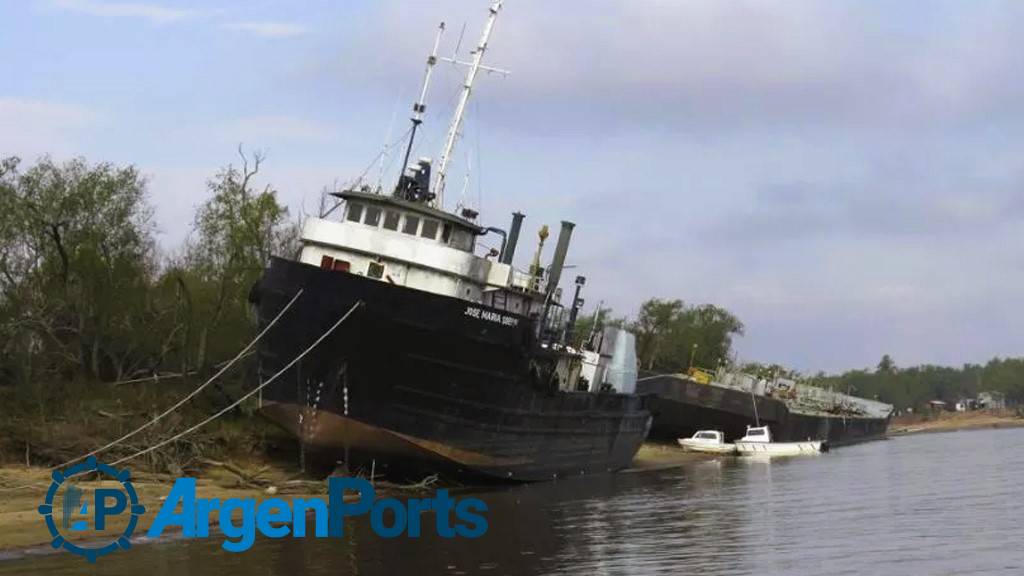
(847, 177)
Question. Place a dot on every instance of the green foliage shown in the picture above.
(668, 333)
(83, 292)
(914, 387)
(672, 336)
(886, 365)
(589, 324)
(770, 371)
(237, 230)
(76, 260)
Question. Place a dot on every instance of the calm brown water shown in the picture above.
(932, 504)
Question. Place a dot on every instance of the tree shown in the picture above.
(76, 257)
(669, 334)
(588, 323)
(653, 326)
(772, 371)
(236, 232)
(886, 365)
(711, 328)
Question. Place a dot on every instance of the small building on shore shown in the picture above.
(965, 404)
(991, 400)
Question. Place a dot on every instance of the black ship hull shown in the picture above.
(418, 383)
(682, 406)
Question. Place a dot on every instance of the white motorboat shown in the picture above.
(707, 441)
(758, 441)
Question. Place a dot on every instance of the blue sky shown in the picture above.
(846, 176)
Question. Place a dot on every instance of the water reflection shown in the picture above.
(935, 504)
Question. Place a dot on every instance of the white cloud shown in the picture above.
(263, 131)
(45, 112)
(268, 29)
(152, 12)
(177, 190)
(32, 127)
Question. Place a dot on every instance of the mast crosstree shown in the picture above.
(455, 130)
(414, 181)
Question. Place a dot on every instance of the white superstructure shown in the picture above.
(407, 239)
(413, 245)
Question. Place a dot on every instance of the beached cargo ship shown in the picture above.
(452, 360)
(685, 403)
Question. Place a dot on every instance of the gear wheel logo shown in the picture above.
(107, 502)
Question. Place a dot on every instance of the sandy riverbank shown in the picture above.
(661, 455)
(952, 421)
(21, 525)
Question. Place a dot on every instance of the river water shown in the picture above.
(930, 504)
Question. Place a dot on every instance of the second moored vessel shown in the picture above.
(730, 402)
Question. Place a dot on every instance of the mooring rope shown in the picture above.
(247, 395)
(181, 402)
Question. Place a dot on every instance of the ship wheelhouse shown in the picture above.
(413, 244)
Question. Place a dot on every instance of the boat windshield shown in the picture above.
(755, 432)
(707, 435)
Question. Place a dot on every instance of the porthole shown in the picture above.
(375, 270)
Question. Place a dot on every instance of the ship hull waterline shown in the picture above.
(416, 383)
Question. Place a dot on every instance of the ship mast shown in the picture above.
(467, 87)
(419, 107)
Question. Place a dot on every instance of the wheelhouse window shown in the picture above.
(411, 224)
(429, 229)
(372, 216)
(391, 220)
(446, 233)
(355, 212)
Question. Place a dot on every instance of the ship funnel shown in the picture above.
(513, 238)
(558, 261)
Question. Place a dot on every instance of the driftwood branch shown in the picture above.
(250, 479)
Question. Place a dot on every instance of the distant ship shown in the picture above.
(453, 362)
(728, 401)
